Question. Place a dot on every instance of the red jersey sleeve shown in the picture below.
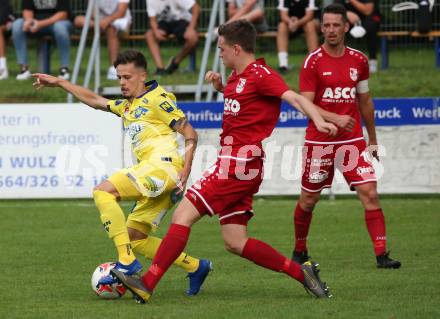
(270, 83)
(365, 70)
(308, 78)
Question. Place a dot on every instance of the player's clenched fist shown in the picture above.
(345, 122)
(326, 127)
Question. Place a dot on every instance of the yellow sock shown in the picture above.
(125, 254)
(113, 220)
(149, 246)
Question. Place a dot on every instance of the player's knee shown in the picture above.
(108, 187)
(233, 248)
(234, 245)
(371, 197)
(308, 206)
(179, 216)
(135, 234)
(185, 214)
(308, 201)
(103, 186)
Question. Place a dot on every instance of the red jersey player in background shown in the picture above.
(252, 98)
(335, 77)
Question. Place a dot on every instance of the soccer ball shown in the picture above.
(113, 291)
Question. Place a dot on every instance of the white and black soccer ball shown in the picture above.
(113, 291)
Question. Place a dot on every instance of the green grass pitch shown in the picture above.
(49, 250)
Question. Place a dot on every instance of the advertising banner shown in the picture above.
(56, 150)
(408, 131)
(64, 150)
(388, 112)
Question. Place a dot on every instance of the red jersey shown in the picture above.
(251, 108)
(334, 81)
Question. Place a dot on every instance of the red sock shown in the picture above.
(265, 256)
(376, 228)
(302, 220)
(172, 245)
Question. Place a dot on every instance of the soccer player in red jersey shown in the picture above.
(335, 77)
(252, 98)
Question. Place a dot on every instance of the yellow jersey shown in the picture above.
(148, 120)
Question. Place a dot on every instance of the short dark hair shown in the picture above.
(336, 8)
(131, 56)
(239, 32)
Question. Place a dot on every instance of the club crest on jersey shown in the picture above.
(353, 74)
(240, 85)
(139, 112)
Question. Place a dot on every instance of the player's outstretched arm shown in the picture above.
(215, 79)
(311, 110)
(84, 95)
(345, 122)
(183, 127)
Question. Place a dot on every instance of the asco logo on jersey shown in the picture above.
(231, 106)
(338, 93)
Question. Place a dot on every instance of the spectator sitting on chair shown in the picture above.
(296, 16)
(42, 18)
(115, 18)
(364, 16)
(249, 10)
(6, 19)
(178, 17)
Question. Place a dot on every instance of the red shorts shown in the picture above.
(227, 189)
(352, 159)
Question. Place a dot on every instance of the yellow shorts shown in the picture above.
(153, 185)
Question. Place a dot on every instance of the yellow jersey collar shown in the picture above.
(150, 86)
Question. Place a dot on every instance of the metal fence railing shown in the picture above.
(391, 21)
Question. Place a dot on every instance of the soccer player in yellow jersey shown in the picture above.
(151, 118)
